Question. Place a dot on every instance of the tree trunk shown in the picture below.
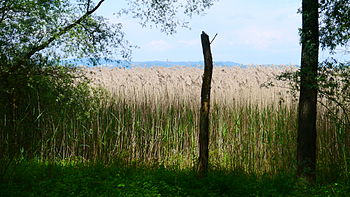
(306, 144)
(205, 106)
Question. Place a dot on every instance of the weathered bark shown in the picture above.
(205, 107)
(306, 144)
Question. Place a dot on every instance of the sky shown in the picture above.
(249, 32)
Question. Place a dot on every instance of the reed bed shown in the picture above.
(151, 115)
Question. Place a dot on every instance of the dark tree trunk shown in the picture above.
(205, 106)
(306, 144)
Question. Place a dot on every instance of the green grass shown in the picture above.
(78, 179)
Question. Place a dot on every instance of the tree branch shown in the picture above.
(61, 32)
(88, 5)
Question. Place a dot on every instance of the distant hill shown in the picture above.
(126, 64)
(182, 63)
(102, 62)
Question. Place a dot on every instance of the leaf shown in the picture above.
(120, 185)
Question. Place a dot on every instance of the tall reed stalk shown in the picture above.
(159, 124)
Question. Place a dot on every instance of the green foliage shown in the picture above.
(29, 96)
(57, 28)
(335, 23)
(34, 178)
(333, 83)
(166, 14)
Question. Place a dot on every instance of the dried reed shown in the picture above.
(152, 114)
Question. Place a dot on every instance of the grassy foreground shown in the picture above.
(77, 179)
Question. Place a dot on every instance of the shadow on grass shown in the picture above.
(79, 179)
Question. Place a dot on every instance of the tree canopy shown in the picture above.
(335, 23)
(66, 28)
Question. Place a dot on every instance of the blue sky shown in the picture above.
(249, 32)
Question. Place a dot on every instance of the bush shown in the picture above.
(35, 92)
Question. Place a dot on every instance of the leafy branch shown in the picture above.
(62, 31)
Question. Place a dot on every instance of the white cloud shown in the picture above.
(252, 31)
(158, 45)
(189, 43)
(258, 38)
(264, 37)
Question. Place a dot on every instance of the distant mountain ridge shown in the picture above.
(127, 64)
(183, 63)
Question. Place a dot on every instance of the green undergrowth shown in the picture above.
(81, 179)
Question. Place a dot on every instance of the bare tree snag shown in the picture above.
(205, 106)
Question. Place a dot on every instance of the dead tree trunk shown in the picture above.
(205, 106)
